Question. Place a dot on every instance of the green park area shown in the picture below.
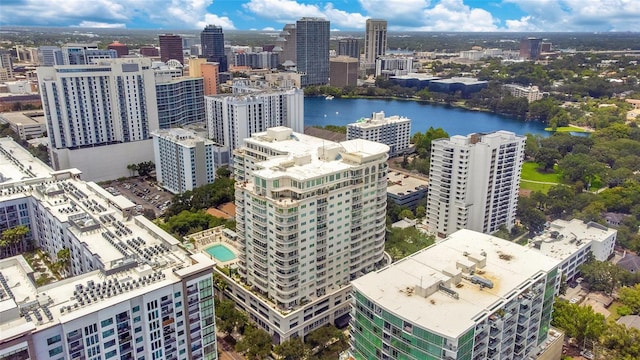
(567, 129)
(535, 180)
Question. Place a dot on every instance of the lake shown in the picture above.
(455, 121)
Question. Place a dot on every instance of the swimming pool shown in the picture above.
(221, 253)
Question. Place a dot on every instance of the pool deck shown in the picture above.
(207, 238)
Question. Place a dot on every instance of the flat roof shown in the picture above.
(181, 136)
(18, 164)
(509, 266)
(404, 183)
(24, 117)
(564, 238)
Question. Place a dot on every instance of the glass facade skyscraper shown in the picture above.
(212, 42)
(312, 50)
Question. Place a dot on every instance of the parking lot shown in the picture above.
(145, 194)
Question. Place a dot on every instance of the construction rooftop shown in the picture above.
(435, 290)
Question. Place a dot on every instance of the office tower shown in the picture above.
(149, 51)
(6, 64)
(393, 131)
(99, 116)
(310, 218)
(343, 71)
(530, 48)
(212, 42)
(234, 117)
(199, 67)
(183, 159)
(456, 300)
(129, 291)
(121, 49)
(82, 54)
(349, 47)
(312, 50)
(474, 182)
(375, 41)
(171, 48)
(50, 55)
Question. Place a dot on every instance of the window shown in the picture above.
(53, 340)
(105, 323)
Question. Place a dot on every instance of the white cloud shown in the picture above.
(288, 11)
(402, 10)
(269, 28)
(580, 15)
(100, 25)
(454, 15)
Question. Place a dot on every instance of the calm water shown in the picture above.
(455, 121)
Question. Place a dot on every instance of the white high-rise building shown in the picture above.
(183, 159)
(375, 41)
(394, 131)
(82, 54)
(470, 296)
(91, 108)
(474, 182)
(310, 217)
(129, 290)
(234, 117)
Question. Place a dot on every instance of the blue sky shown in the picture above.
(402, 15)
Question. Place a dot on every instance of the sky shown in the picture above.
(345, 15)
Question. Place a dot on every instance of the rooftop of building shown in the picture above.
(24, 117)
(133, 255)
(422, 288)
(462, 80)
(181, 136)
(378, 119)
(17, 164)
(401, 183)
(564, 238)
(416, 76)
(306, 157)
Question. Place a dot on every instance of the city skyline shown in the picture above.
(347, 15)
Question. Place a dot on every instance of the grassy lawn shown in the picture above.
(530, 172)
(614, 313)
(543, 188)
(566, 129)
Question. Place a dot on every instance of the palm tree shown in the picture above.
(64, 259)
(12, 241)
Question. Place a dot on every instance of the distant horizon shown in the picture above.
(508, 16)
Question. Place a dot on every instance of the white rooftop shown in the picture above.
(508, 266)
(564, 238)
(180, 136)
(378, 119)
(17, 164)
(404, 183)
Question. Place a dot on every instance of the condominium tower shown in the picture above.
(349, 47)
(375, 41)
(474, 182)
(470, 296)
(129, 291)
(82, 54)
(234, 117)
(89, 107)
(312, 49)
(393, 131)
(310, 218)
(180, 100)
(183, 159)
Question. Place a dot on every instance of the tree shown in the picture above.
(256, 343)
(547, 157)
(579, 322)
(133, 168)
(223, 172)
(230, 319)
(600, 275)
(420, 211)
(292, 349)
(630, 296)
(12, 241)
(621, 341)
(327, 339)
(530, 216)
(406, 213)
(64, 259)
(145, 168)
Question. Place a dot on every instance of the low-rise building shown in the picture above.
(406, 190)
(27, 125)
(469, 296)
(572, 241)
(532, 93)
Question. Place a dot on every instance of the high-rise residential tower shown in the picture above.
(91, 108)
(312, 50)
(474, 182)
(171, 48)
(393, 131)
(212, 43)
(375, 41)
(349, 47)
(234, 117)
(286, 44)
(470, 296)
(310, 218)
(81, 54)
